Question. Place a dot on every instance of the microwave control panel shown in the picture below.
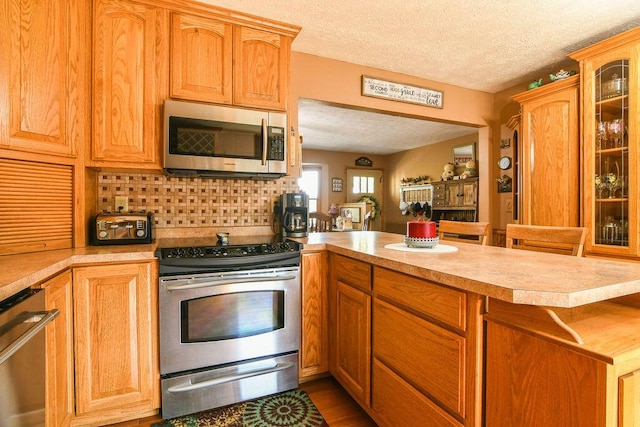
(275, 138)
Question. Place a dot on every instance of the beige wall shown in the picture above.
(428, 160)
(335, 164)
(340, 83)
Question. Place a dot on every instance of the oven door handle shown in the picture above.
(227, 281)
(39, 320)
(189, 386)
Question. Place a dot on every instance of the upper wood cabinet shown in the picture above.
(610, 82)
(261, 68)
(130, 75)
(201, 59)
(550, 165)
(43, 76)
(217, 61)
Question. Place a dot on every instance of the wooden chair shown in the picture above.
(366, 221)
(561, 240)
(319, 222)
(468, 232)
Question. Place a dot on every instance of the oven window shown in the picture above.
(228, 316)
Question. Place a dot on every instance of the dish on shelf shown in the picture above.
(420, 242)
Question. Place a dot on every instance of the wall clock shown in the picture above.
(504, 163)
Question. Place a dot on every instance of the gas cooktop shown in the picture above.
(229, 250)
(186, 256)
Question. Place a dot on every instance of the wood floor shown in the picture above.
(333, 402)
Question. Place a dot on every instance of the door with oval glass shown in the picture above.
(366, 183)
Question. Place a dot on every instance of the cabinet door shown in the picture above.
(44, 56)
(352, 341)
(468, 192)
(611, 126)
(130, 61)
(453, 194)
(550, 147)
(59, 386)
(201, 59)
(261, 68)
(532, 382)
(629, 397)
(117, 373)
(314, 355)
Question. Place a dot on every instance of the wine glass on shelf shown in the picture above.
(613, 184)
(601, 185)
(616, 132)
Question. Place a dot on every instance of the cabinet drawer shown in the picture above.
(353, 272)
(439, 202)
(431, 358)
(398, 404)
(439, 188)
(433, 300)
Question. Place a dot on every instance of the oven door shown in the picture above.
(220, 318)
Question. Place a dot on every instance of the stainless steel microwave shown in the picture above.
(211, 140)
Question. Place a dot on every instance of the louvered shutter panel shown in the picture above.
(36, 206)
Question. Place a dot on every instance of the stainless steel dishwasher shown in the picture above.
(22, 358)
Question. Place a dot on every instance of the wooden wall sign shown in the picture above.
(401, 92)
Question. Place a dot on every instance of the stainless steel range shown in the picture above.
(229, 322)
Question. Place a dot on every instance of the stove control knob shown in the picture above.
(194, 252)
(177, 252)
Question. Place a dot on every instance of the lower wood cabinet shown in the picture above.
(538, 376)
(350, 326)
(314, 346)
(427, 352)
(116, 349)
(59, 351)
(408, 350)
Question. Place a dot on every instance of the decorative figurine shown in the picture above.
(470, 171)
(562, 74)
(448, 173)
(534, 84)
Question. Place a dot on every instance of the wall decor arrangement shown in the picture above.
(504, 184)
(378, 88)
(364, 161)
(336, 185)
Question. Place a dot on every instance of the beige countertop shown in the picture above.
(516, 276)
(511, 275)
(18, 272)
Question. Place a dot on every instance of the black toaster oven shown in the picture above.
(122, 228)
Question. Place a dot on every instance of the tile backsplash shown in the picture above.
(195, 202)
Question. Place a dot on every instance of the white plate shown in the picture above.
(437, 249)
(421, 242)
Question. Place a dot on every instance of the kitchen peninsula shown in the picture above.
(396, 318)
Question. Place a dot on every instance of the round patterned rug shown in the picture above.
(289, 409)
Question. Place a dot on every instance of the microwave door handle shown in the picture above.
(264, 142)
(227, 281)
(39, 320)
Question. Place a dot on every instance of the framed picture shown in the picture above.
(336, 185)
(354, 213)
(463, 153)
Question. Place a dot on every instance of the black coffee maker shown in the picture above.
(295, 214)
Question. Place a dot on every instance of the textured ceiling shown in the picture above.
(486, 45)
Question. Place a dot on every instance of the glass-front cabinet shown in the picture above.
(610, 143)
